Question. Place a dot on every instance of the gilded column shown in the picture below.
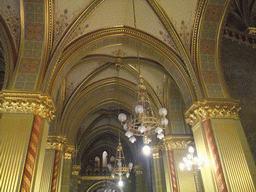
(23, 126)
(175, 148)
(216, 125)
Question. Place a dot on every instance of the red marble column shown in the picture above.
(218, 172)
(55, 171)
(173, 172)
(31, 154)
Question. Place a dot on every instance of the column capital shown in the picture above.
(138, 169)
(76, 169)
(56, 142)
(27, 102)
(69, 151)
(176, 142)
(212, 108)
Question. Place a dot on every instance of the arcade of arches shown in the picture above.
(68, 68)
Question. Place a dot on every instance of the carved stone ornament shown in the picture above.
(208, 109)
(25, 102)
(176, 142)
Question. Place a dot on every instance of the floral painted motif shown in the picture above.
(34, 32)
(11, 16)
(185, 35)
(119, 53)
(62, 24)
(167, 39)
(213, 13)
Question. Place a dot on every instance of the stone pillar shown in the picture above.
(139, 178)
(67, 166)
(175, 148)
(24, 127)
(219, 135)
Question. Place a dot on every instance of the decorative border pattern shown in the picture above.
(32, 154)
(32, 45)
(22, 102)
(207, 109)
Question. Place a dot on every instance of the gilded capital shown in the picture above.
(56, 142)
(176, 142)
(208, 109)
(27, 102)
(69, 151)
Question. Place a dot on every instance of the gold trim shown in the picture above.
(176, 142)
(211, 108)
(124, 32)
(163, 17)
(25, 102)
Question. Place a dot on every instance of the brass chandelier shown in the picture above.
(145, 122)
(120, 169)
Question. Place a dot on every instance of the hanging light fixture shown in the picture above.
(145, 121)
(120, 169)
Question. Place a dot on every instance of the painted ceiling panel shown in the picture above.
(182, 14)
(120, 12)
(65, 14)
(10, 11)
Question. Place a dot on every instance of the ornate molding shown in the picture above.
(208, 109)
(56, 142)
(171, 142)
(27, 102)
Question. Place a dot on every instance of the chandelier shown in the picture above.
(192, 162)
(120, 169)
(145, 122)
